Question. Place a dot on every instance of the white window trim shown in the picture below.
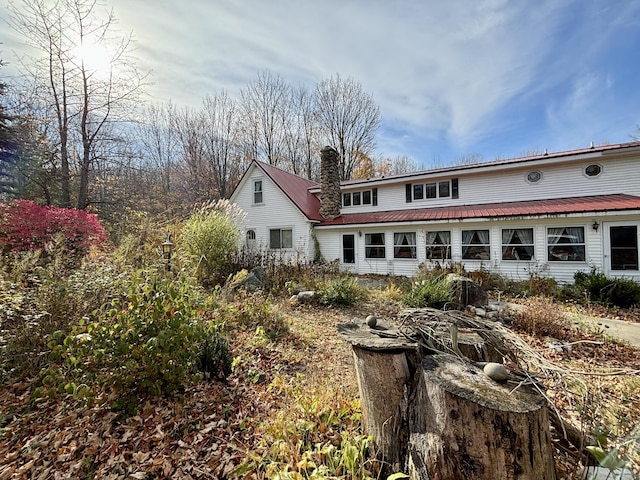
(281, 249)
(253, 190)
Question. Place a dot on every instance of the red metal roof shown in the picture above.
(296, 188)
(598, 203)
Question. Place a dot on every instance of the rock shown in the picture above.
(480, 312)
(466, 291)
(306, 296)
(294, 299)
(372, 321)
(496, 371)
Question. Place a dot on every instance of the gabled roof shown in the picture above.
(296, 188)
(594, 204)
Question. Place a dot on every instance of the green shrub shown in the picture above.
(209, 240)
(432, 292)
(595, 286)
(147, 342)
(342, 292)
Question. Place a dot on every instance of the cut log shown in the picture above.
(465, 425)
(385, 362)
(382, 377)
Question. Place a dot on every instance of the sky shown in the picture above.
(453, 79)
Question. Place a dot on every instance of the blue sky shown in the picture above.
(453, 79)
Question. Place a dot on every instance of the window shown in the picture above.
(374, 245)
(444, 189)
(257, 191)
(534, 177)
(364, 197)
(280, 238)
(517, 243)
(624, 247)
(593, 170)
(475, 245)
(565, 244)
(349, 248)
(421, 191)
(438, 245)
(404, 245)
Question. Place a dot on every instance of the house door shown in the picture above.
(621, 248)
(349, 249)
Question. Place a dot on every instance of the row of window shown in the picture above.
(563, 244)
(363, 197)
(592, 170)
(423, 191)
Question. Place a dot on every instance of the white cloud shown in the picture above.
(459, 72)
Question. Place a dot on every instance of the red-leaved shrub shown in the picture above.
(25, 225)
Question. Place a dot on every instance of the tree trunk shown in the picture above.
(465, 425)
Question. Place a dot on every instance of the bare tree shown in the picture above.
(349, 119)
(301, 133)
(264, 103)
(221, 141)
(84, 95)
(159, 148)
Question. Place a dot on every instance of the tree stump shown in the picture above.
(384, 363)
(438, 416)
(465, 425)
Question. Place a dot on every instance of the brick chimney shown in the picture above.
(330, 197)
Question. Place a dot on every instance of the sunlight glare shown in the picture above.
(94, 57)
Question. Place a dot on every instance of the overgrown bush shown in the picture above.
(146, 342)
(25, 225)
(595, 286)
(434, 292)
(209, 239)
(253, 310)
(344, 292)
(541, 316)
(38, 298)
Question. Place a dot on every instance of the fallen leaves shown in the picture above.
(214, 426)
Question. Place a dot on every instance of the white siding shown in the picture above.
(275, 212)
(478, 187)
(331, 243)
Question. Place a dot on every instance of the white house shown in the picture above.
(551, 214)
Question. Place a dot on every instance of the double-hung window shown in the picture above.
(565, 244)
(280, 238)
(374, 245)
(438, 245)
(475, 245)
(517, 244)
(404, 245)
(257, 191)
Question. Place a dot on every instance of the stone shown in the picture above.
(306, 296)
(372, 321)
(496, 371)
(480, 312)
(466, 291)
